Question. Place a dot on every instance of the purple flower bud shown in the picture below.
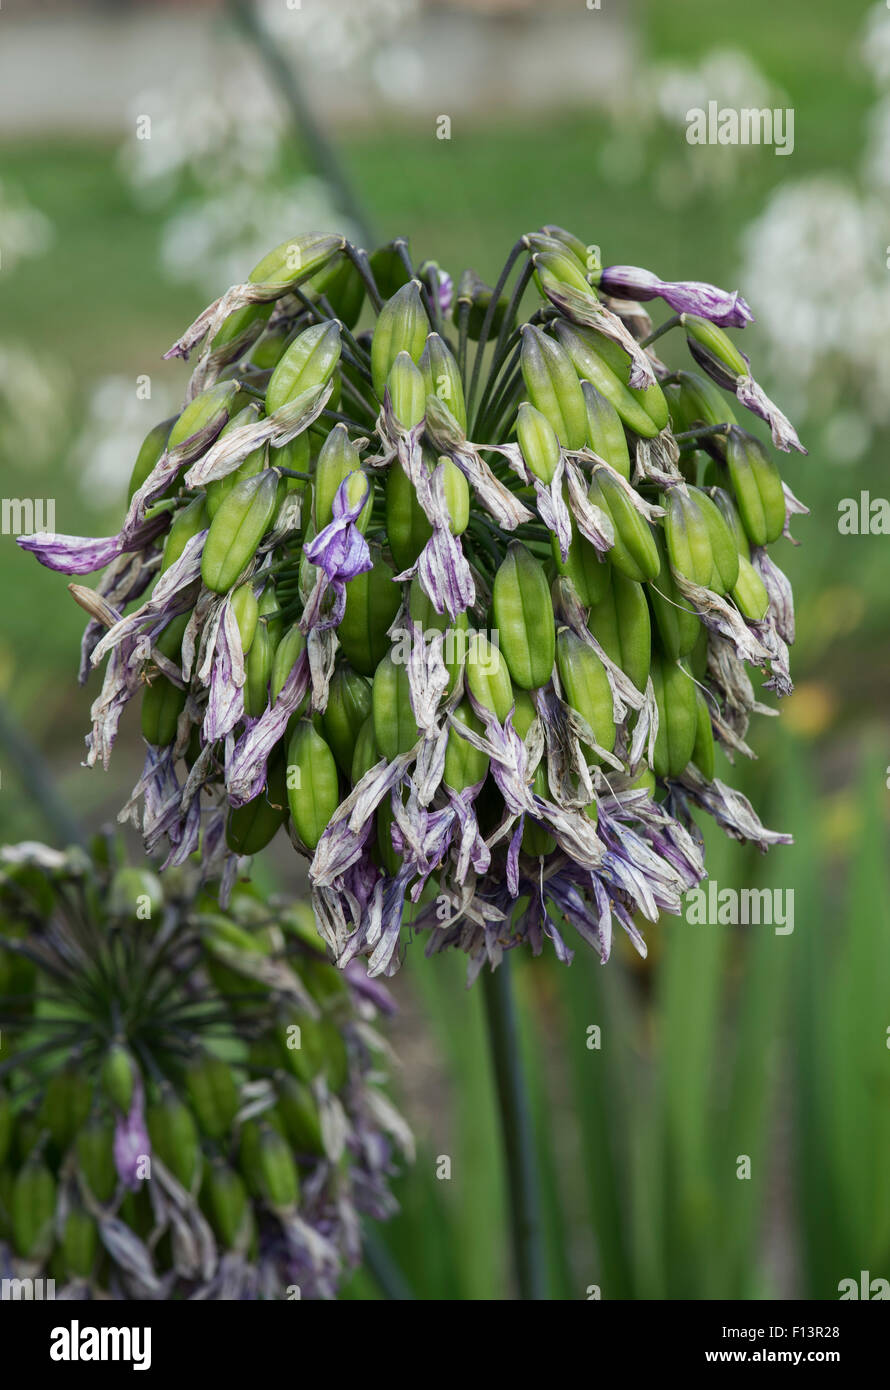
(84, 554)
(683, 296)
(131, 1142)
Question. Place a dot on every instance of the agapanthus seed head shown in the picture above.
(501, 618)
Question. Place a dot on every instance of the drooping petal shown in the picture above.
(727, 309)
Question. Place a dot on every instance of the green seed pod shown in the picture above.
(464, 764)
(299, 1114)
(574, 244)
(287, 654)
(237, 530)
(366, 754)
(295, 454)
(150, 450)
(750, 592)
(696, 401)
(441, 377)
(246, 610)
(295, 261)
(677, 622)
(342, 286)
(407, 526)
(487, 676)
(33, 1209)
(258, 670)
(278, 1172)
(677, 717)
(536, 841)
(213, 1094)
(728, 510)
(407, 391)
(174, 1136)
(229, 1206)
(395, 728)
(703, 748)
(95, 1156)
(402, 326)
(28, 1133)
(589, 574)
(524, 713)
(313, 789)
(457, 496)
(301, 1043)
(241, 330)
(538, 442)
(187, 522)
(389, 269)
(128, 887)
(119, 1072)
(384, 820)
(723, 543)
(5, 1125)
(251, 827)
(598, 360)
(688, 537)
(372, 602)
(454, 649)
(338, 459)
(475, 293)
(205, 415)
(162, 704)
(697, 662)
(620, 623)
(66, 1103)
(634, 552)
(757, 487)
(605, 431)
(560, 268)
(242, 327)
(585, 686)
(348, 707)
(715, 342)
(80, 1242)
(523, 615)
(270, 613)
(271, 346)
(219, 489)
(309, 362)
(553, 386)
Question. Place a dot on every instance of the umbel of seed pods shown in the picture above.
(189, 1101)
(462, 598)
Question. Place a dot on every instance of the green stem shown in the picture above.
(661, 330)
(516, 1130)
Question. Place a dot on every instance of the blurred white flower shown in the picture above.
(725, 75)
(875, 47)
(24, 229)
(198, 132)
(214, 241)
(816, 269)
(36, 393)
(338, 34)
(115, 424)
